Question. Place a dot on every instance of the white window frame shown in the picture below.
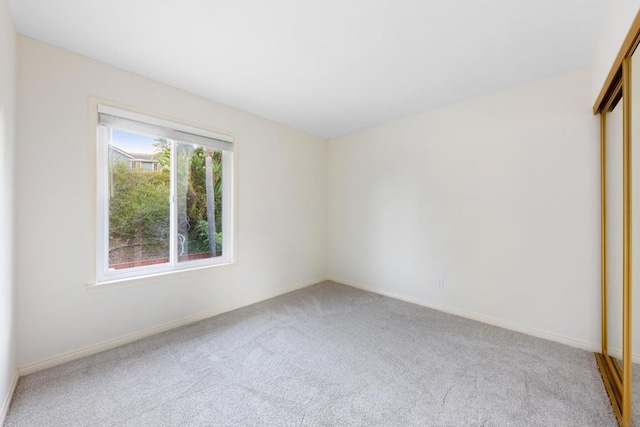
(204, 138)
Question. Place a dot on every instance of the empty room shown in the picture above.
(319, 213)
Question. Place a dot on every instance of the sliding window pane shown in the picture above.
(139, 210)
(198, 202)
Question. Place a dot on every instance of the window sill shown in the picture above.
(123, 282)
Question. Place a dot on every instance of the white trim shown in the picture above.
(135, 336)
(123, 282)
(482, 318)
(228, 209)
(144, 272)
(7, 400)
(103, 183)
(173, 206)
(105, 276)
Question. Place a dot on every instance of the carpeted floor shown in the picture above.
(327, 355)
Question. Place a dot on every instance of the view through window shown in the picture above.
(165, 197)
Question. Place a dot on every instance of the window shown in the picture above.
(164, 196)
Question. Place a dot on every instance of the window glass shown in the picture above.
(199, 202)
(139, 209)
(163, 192)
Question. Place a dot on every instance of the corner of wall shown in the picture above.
(4, 409)
(8, 126)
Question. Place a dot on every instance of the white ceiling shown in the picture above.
(328, 67)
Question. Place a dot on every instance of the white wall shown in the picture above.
(617, 24)
(282, 198)
(499, 195)
(7, 143)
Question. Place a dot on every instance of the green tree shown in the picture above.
(138, 208)
(203, 188)
(162, 154)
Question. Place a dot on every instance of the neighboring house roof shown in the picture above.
(145, 157)
(120, 151)
(136, 157)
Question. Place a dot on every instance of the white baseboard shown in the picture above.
(482, 318)
(126, 339)
(7, 400)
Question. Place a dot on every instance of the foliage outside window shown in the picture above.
(164, 197)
